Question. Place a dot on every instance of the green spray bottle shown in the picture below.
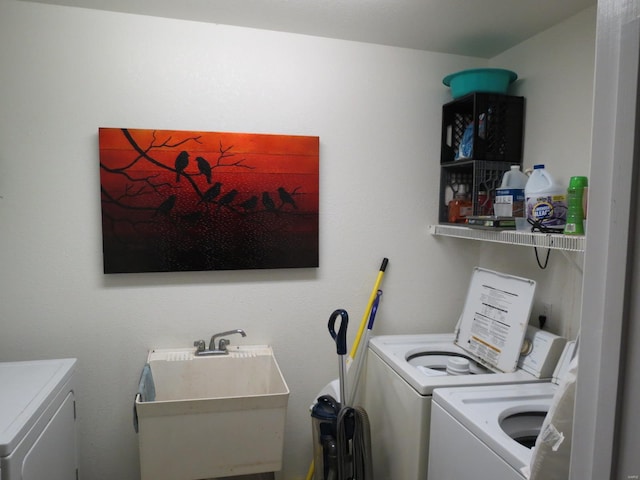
(575, 210)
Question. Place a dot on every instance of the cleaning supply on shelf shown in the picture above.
(485, 204)
(545, 200)
(509, 200)
(514, 178)
(460, 207)
(466, 144)
(575, 206)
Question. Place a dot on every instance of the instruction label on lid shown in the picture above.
(495, 318)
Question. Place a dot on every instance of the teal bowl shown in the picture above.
(487, 80)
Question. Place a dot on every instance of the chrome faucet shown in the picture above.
(222, 344)
(221, 348)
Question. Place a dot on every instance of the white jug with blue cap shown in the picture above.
(509, 201)
(546, 200)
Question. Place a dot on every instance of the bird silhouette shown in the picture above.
(268, 202)
(166, 206)
(227, 198)
(204, 168)
(250, 203)
(182, 160)
(212, 193)
(285, 197)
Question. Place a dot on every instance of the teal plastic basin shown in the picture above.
(487, 80)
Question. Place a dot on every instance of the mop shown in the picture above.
(360, 358)
(332, 388)
(367, 321)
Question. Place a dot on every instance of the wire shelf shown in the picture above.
(569, 243)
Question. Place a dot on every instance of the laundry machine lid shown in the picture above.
(26, 390)
(495, 317)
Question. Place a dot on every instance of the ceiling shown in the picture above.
(479, 28)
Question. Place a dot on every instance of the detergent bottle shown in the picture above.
(460, 207)
(509, 201)
(545, 200)
(514, 178)
(575, 204)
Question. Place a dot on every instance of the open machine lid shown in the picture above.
(495, 318)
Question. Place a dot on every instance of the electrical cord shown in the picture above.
(546, 260)
(342, 441)
(363, 465)
(353, 441)
(537, 226)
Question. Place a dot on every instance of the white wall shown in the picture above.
(555, 74)
(64, 72)
(555, 71)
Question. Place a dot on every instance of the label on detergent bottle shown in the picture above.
(509, 202)
(549, 210)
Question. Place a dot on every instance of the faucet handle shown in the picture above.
(200, 345)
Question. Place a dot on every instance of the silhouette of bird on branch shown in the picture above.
(249, 204)
(166, 206)
(204, 168)
(182, 160)
(227, 198)
(268, 202)
(211, 194)
(285, 197)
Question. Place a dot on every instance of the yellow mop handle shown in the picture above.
(356, 342)
(365, 317)
(311, 471)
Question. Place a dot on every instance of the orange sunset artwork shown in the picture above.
(189, 201)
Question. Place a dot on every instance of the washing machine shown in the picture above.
(403, 370)
(490, 432)
(37, 420)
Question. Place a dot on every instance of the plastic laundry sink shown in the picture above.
(212, 416)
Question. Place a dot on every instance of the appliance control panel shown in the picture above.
(540, 352)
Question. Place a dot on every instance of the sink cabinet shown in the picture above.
(213, 416)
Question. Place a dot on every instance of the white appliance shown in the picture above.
(37, 420)
(490, 430)
(403, 370)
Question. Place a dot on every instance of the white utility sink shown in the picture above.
(213, 416)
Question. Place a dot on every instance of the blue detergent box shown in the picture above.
(509, 202)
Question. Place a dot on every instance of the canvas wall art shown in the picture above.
(188, 201)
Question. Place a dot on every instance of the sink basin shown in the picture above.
(212, 416)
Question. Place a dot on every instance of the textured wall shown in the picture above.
(64, 72)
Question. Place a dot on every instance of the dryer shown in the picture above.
(489, 432)
(37, 420)
(403, 370)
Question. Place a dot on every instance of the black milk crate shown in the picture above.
(498, 122)
(474, 177)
